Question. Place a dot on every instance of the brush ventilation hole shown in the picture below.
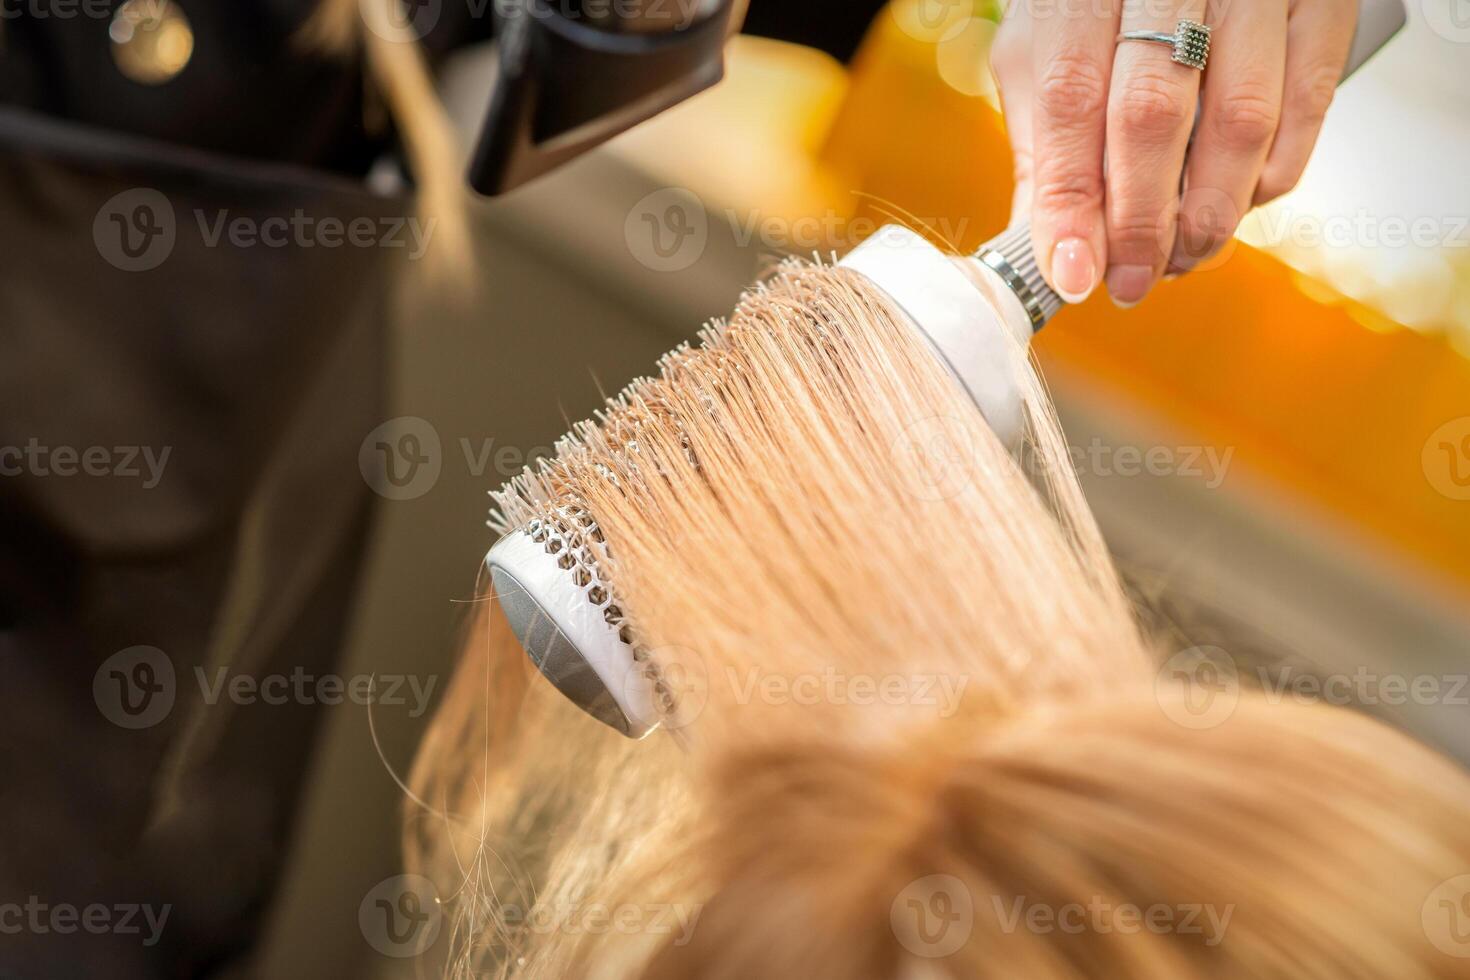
(568, 533)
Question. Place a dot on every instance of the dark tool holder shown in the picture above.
(572, 75)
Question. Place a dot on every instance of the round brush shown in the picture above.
(977, 313)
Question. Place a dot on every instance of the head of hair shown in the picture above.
(894, 652)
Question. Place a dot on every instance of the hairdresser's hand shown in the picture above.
(1070, 90)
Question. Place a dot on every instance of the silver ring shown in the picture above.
(1190, 41)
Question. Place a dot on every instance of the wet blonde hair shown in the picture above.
(807, 491)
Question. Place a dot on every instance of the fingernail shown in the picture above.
(1073, 269)
(1128, 284)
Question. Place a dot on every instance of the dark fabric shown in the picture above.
(127, 326)
(257, 369)
(251, 89)
(247, 90)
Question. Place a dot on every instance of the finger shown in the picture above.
(1072, 53)
(1010, 63)
(1239, 113)
(1319, 35)
(1150, 112)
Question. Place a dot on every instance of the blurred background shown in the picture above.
(1277, 446)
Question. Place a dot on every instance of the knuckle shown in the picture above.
(1060, 189)
(1071, 91)
(1150, 108)
(1138, 231)
(1247, 118)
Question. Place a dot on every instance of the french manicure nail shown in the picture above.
(1073, 269)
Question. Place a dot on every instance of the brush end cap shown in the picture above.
(969, 337)
(567, 637)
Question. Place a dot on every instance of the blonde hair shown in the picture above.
(808, 492)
